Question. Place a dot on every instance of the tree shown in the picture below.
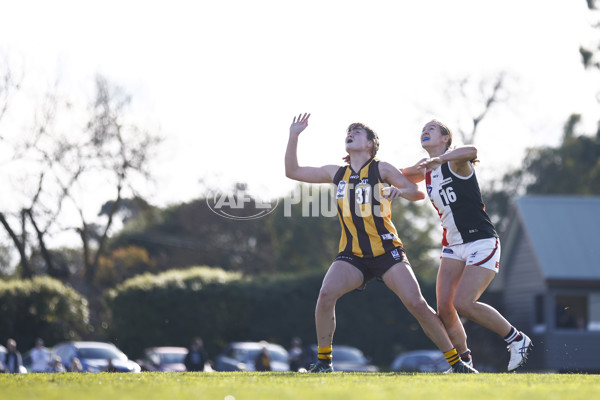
(589, 56)
(471, 99)
(193, 234)
(294, 238)
(303, 238)
(476, 100)
(63, 162)
(121, 152)
(571, 168)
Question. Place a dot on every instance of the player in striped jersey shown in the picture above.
(471, 248)
(369, 246)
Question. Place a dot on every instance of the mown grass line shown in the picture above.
(294, 386)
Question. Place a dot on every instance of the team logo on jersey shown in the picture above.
(396, 254)
(341, 190)
(389, 236)
(446, 181)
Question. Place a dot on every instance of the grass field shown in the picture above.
(294, 386)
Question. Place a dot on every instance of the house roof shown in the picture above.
(565, 234)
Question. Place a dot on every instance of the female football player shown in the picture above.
(471, 248)
(369, 246)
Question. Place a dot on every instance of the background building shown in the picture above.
(550, 284)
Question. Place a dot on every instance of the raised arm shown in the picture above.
(415, 173)
(404, 186)
(294, 171)
(460, 160)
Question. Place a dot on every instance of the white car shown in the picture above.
(165, 359)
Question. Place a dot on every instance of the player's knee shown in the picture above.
(446, 311)
(417, 306)
(327, 297)
(463, 306)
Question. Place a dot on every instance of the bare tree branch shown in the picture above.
(27, 272)
(40, 235)
(489, 101)
(473, 105)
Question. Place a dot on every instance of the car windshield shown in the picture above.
(101, 353)
(342, 354)
(172, 358)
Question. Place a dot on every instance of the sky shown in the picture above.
(222, 80)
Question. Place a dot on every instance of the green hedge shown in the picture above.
(170, 308)
(41, 307)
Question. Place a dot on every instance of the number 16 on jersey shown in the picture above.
(448, 196)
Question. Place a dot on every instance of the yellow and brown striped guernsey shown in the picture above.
(365, 217)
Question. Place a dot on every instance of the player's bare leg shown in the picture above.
(448, 277)
(472, 284)
(402, 281)
(340, 279)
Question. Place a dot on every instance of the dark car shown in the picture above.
(420, 361)
(348, 359)
(240, 356)
(95, 356)
(167, 359)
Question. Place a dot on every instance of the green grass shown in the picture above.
(294, 386)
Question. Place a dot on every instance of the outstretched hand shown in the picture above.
(299, 124)
(430, 163)
(391, 192)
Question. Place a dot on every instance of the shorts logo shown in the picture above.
(448, 251)
(497, 265)
(396, 254)
(341, 190)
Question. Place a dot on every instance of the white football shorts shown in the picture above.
(482, 253)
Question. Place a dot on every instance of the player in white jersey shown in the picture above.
(471, 248)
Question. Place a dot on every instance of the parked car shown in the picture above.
(3, 350)
(166, 359)
(94, 356)
(420, 361)
(239, 356)
(348, 359)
